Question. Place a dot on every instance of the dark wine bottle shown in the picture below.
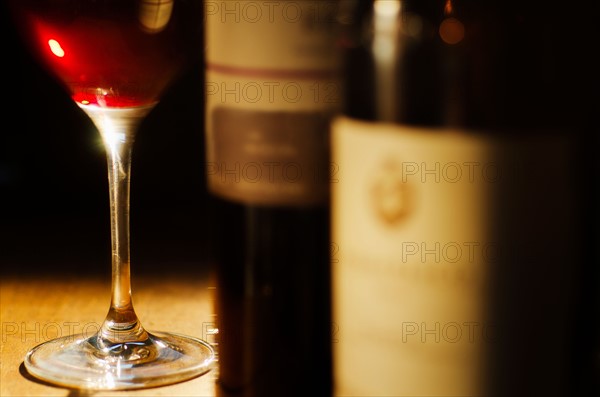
(463, 216)
(271, 91)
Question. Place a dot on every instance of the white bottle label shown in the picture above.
(411, 240)
(271, 87)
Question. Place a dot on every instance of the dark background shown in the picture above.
(54, 203)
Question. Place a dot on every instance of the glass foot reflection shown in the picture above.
(84, 362)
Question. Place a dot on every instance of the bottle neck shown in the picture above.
(464, 64)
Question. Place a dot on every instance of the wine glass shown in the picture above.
(115, 58)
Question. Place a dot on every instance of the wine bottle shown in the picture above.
(271, 90)
(463, 210)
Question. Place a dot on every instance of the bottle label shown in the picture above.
(271, 88)
(269, 157)
(411, 241)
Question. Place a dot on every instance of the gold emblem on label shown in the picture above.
(389, 193)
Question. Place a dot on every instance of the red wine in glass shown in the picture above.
(116, 58)
(112, 53)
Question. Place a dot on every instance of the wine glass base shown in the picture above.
(75, 362)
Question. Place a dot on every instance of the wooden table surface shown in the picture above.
(35, 309)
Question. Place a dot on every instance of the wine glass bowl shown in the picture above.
(116, 58)
(112, 53)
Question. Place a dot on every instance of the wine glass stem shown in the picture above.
(121, 323)
(117, 128)
(119, 167)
